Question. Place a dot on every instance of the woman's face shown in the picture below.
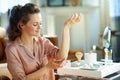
(33, 26)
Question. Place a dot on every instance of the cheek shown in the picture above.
(29, 29)
(32, 30)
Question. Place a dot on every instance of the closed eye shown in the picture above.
(37, 24)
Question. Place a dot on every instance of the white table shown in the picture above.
(103, 71)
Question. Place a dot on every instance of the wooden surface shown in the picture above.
(71, 54)
(4, 70)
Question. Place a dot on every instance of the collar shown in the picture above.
(18, 40)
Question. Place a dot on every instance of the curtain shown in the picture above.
(115, 24)
(114, 8)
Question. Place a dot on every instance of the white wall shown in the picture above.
(84, 34)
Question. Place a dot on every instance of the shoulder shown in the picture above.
(11, 50)
(10, 46)
(42, 39)
(13, 45)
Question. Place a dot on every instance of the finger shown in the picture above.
(72, 18)
(58, 60)
(77, 17)
(56, 65)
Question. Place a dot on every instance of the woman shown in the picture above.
(30, 56)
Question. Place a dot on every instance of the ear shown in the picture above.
(20, 25)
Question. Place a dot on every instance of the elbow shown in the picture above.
(62, 56)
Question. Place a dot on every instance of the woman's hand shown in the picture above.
(75, 18)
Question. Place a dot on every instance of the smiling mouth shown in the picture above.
(37, 31)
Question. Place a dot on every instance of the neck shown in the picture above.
(27, 40)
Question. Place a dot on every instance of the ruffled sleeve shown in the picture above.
(50, 49)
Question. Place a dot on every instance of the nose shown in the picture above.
(39, 26)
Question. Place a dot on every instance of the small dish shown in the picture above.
(90, 66)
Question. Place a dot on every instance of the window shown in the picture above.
(7, 4)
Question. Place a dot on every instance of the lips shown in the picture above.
(37, 31)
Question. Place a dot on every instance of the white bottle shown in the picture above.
(94, 48)
(106, 56)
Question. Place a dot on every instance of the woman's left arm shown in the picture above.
(64, 48)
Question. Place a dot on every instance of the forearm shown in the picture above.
(37, 74)
(64, 48)
(63, 52)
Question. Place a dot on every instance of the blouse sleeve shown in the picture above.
(14, 64)
(50, 49)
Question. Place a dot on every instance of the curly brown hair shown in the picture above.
(19, 14)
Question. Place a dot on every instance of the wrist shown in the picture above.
(47, 68)
(66, 28)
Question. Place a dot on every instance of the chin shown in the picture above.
(37, 35)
